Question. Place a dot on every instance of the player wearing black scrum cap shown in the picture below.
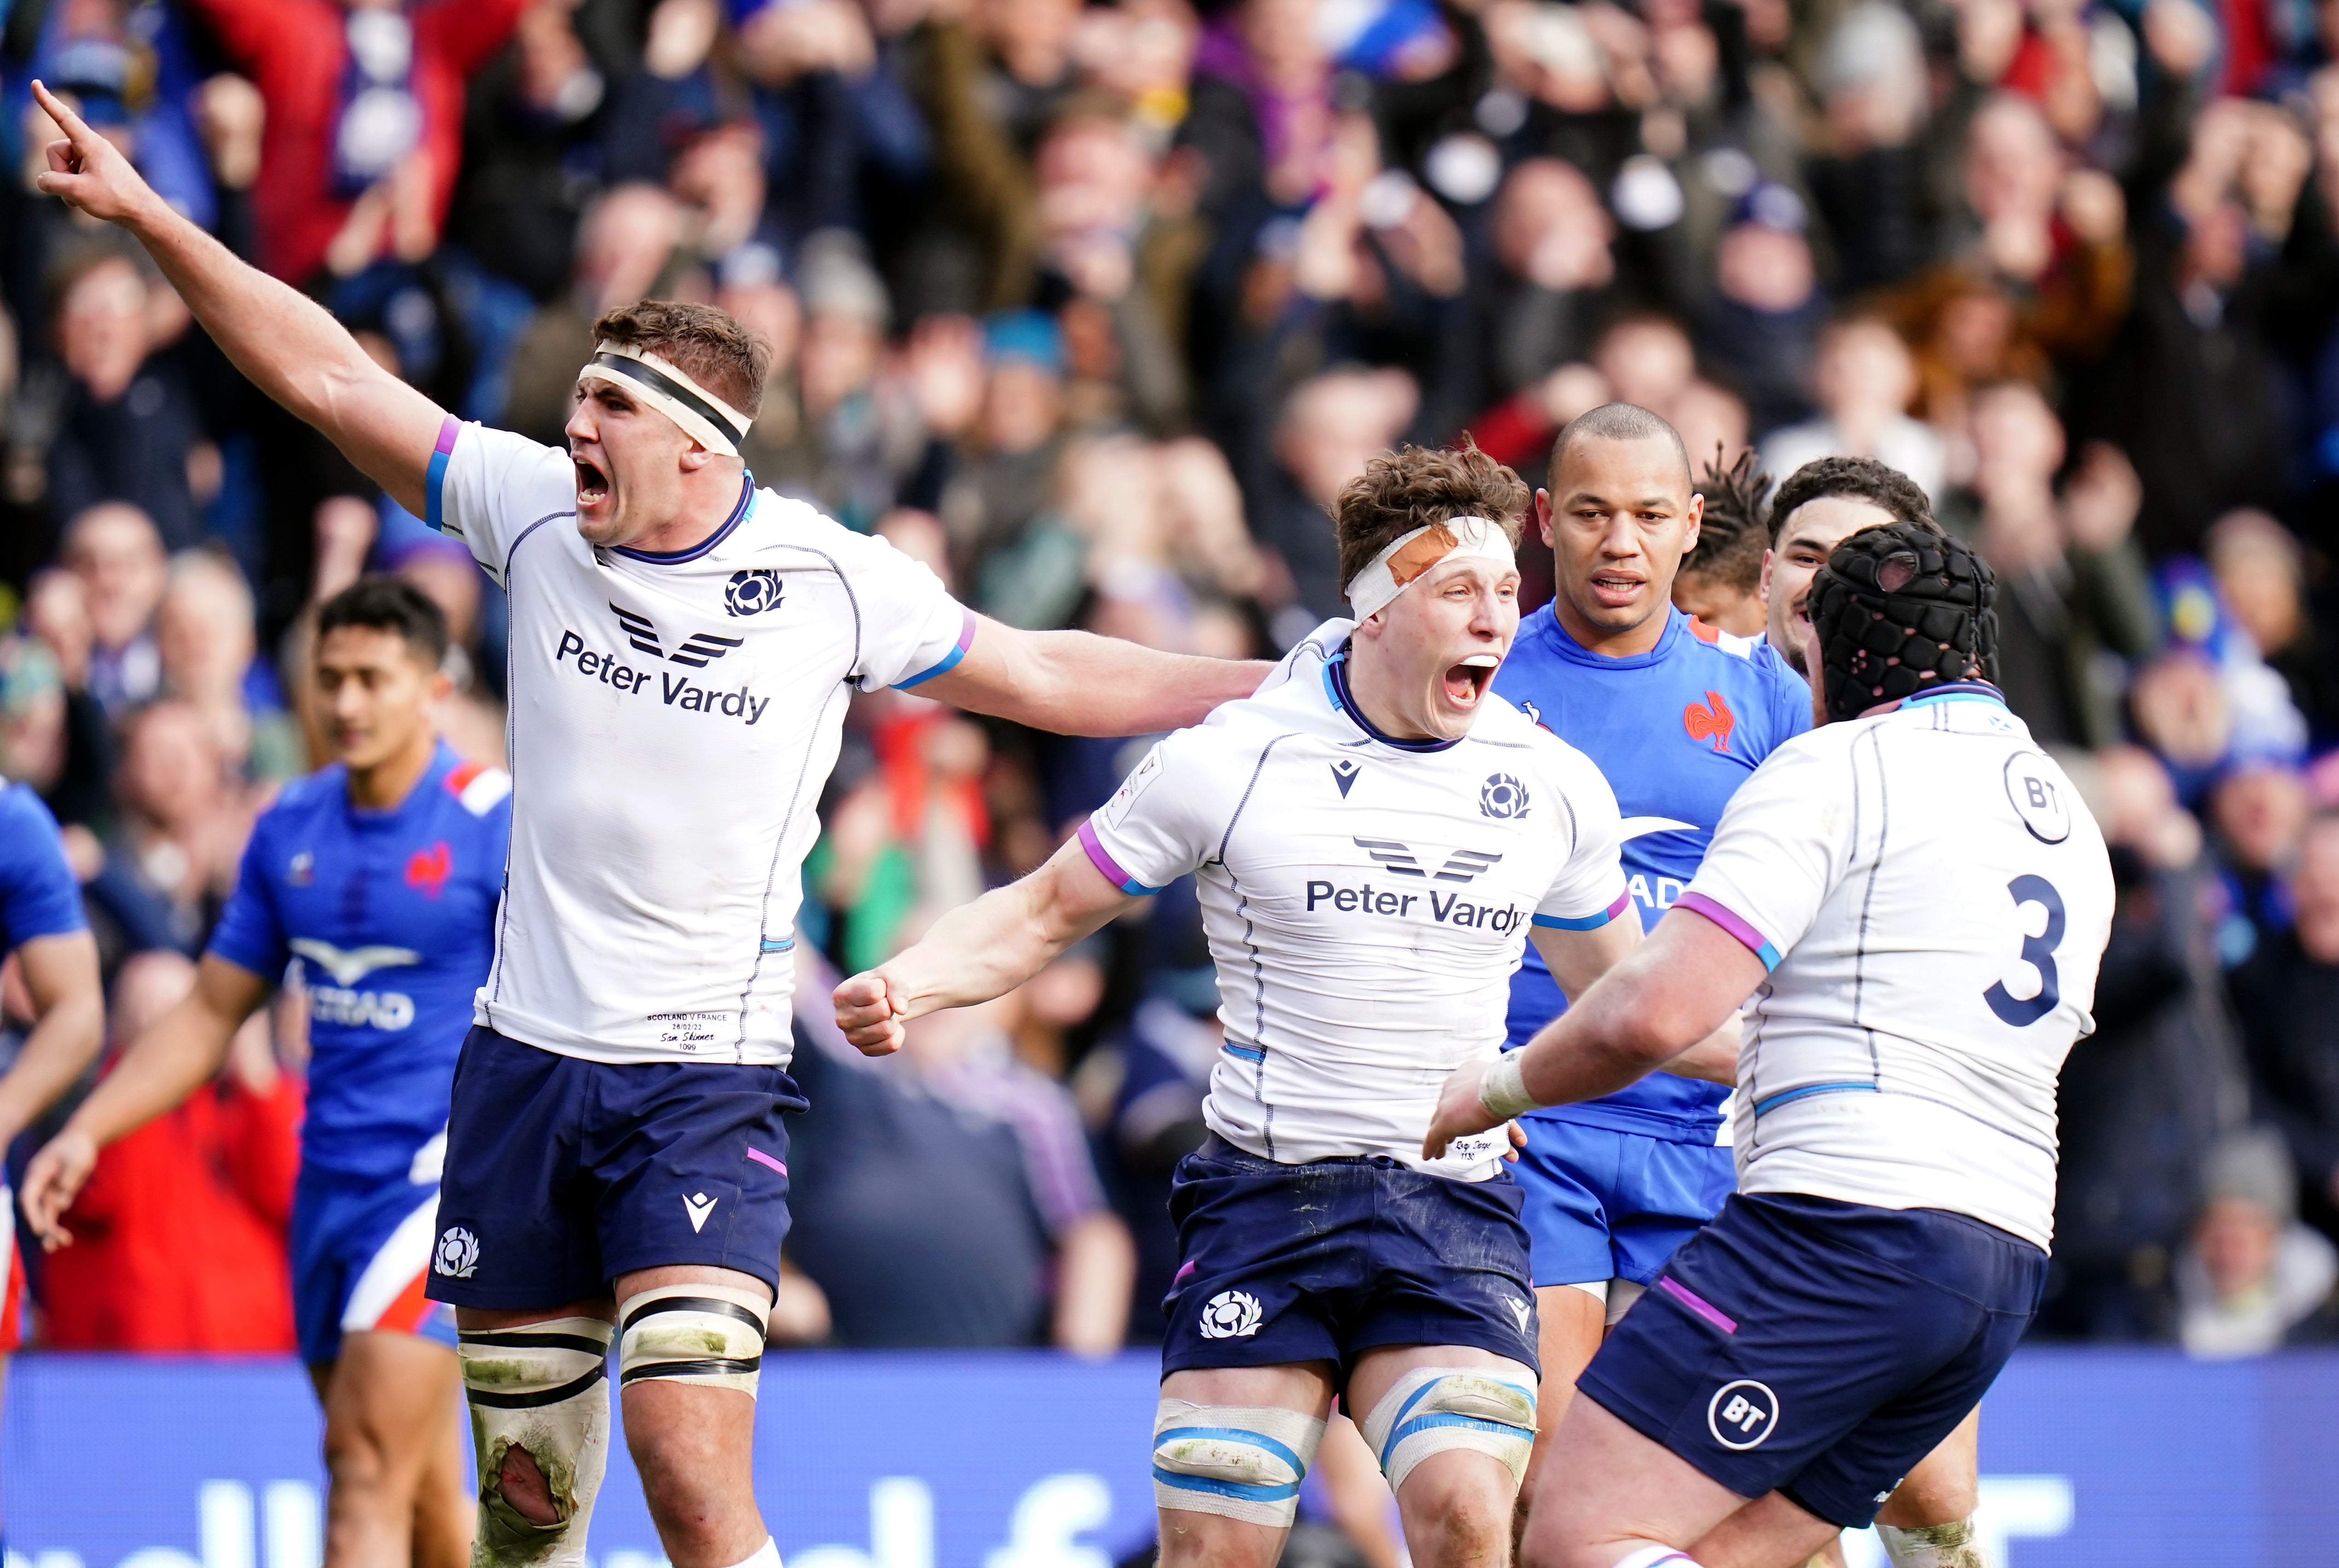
(1922, 902)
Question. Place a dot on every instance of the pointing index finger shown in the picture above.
(75, 128)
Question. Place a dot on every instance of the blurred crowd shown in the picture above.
(1093, 308)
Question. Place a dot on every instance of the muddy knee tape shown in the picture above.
(1951, 1545)
(1242, 1460)
(709, 1333)
(1489, 1410)
(543, 1388)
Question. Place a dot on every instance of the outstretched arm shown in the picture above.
(61, 972)
(1578, 959)
(980, 950)
(284, 342)
(1674, 990)
(1080, 684)
(182, 1051)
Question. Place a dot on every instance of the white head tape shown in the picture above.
(1411, 556)
(703, 417)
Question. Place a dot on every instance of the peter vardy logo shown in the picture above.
(752, 592)
(1232, 1315)
(675, 691)
(1462, 865)
(697, 649)
(1502, 797)
(457, 1254)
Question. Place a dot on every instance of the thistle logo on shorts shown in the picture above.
(1502, 797)
(1742, 1414)
(457, 1254)
(752, 592)
(1232, 1315)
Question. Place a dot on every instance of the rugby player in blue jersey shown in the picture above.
(379, 876)
(45, 941)
(1676, 715)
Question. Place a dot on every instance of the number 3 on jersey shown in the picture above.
(2038, 951)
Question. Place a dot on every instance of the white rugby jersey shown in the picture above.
(672, 720)
(1932, 899)
(1366, 900)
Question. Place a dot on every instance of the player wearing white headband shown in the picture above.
(683, 647)
(1376, 835)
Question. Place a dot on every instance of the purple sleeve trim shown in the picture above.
(948, 661)
(434, 479)
(1112, 868)
(1590, 922)
(1697, 904)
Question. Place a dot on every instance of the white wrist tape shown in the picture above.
(1408, 556)
(1503, 1090)
(703, 417)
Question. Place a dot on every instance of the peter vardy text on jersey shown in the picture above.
(675, 691)
(1447, 909)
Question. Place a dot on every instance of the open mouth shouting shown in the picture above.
(592, 484)
(1467, 683)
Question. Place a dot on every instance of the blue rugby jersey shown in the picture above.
(1675, 730)
(391, 915)
(38, 895)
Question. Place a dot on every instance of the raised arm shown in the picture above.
(1080, 684)
(183, 1050)
(1668, 996)
(284, 342)
(980, 950)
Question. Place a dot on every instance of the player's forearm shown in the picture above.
(1713, 1060)
(57, 1052)
(1077, 683)
(181, 1053)
(986, 949)
(1631, 1023)
(292, 350)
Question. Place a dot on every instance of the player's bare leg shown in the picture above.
(1455, 1505)
(692, 1441)
(1570, 1324)
(390, 1404)
(1932, 1511)
(1193, 1539)
(1356, 1493)
(541, 1479)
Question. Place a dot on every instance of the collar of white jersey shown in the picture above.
(1408, 558)
(703, 417)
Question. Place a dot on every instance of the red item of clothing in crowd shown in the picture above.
(180, 1237)
(296, 53)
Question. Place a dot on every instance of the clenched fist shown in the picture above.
(870, 1009)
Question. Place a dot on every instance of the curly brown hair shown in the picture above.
(1414, 487)
(709, 346)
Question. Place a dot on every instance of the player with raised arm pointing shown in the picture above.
(1920, 901)
(683, 647)
(1376, 835)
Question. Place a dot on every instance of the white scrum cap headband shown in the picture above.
(1409, 555)
(703, 417)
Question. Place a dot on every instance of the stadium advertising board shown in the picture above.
(1037, 1461)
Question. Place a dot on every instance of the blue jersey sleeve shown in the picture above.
(38, 894)
(251, 932)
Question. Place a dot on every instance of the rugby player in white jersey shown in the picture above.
(1928, 1520)
(683, 647)
(1921, 902)
(1375, 836)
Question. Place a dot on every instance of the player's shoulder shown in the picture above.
(1747, 662)
(783, 531)
(302, 799)
(1503, 728)
(480, 790)
(24, 815)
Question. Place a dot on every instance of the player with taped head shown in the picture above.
(683, 648)
(1776, 1384)
(1375, 837)
(1676, 715)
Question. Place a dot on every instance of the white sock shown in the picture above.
(768, 1555)
(1950, 1546)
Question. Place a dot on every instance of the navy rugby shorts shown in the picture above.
(563, 1174)
(1323, 1261)
(1818, 1348)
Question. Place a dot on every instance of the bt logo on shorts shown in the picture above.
(1742, 1414)
(1232, 1315)
(457, 1254)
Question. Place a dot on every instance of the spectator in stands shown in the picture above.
(948, 1197)
(625, 249)
(179, 1238)
(2261, 576)
(203, 632)
(129, 430)
(181, 828)
(2251, 1279)
(1864, 380)
(2287, 996)
(2258, 811)
(1328, 428)
(1540, 304)
(117, 552)
(1763, 323)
